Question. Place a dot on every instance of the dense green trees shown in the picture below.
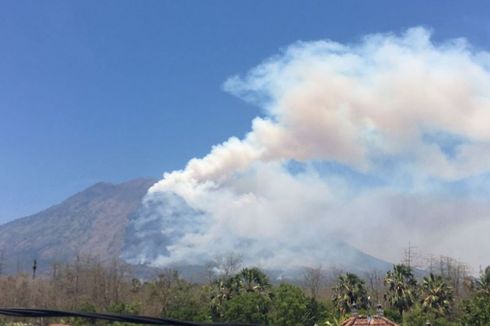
(348, 291)
(432, 300)
(436, 295)
(247, 307)
(290, 306)
(248, 296)
(476, 309)
(418, 317)
(482, 285)
(243, 297)
(401, 288)
(434, 304)
(252, 280)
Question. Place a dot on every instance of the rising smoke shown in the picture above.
(374, 144)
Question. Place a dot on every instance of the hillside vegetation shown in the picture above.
(235, 294)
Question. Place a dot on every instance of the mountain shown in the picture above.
(96, 222)
(91, 222)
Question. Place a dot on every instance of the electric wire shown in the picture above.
(47, 313)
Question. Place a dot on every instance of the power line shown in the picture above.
(39, 313)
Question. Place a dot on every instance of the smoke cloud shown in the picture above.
(371, 145)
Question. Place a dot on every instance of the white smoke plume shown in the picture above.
(374, 144)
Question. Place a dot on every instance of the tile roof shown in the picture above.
(365, 321)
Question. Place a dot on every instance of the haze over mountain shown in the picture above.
(382, 141)
(91, 222)
(94, 222)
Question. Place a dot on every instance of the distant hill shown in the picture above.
(91, 222)
(95, 222)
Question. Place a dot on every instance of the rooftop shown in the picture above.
(368, 320)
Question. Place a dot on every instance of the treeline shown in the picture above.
(248, 295)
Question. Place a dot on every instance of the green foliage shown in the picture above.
(476, 310)
(248, 307)
(401, 293)
(393, 314)
(483, 284)
(348, 291)
(290, 306)
(122, 308)
(219, 292)
(436, 295)
(336, 320)
(84, 307)
(317, 312)
(252, 280)
(249, 297)
(241, 298)
(419, 317)
(189, 302)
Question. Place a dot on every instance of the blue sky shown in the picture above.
(112, 90)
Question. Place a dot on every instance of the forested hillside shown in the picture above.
(249, 295)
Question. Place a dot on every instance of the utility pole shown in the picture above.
(409, 253)
(34, 268)
(1, 262)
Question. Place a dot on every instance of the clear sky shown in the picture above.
(113, 90)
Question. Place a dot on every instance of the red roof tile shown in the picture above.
(365, 321)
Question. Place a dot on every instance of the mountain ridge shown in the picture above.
(96, 221)
(90, 222)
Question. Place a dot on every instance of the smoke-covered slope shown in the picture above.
(90, 222)
(159, 224)
(100, 222)
(378, 142)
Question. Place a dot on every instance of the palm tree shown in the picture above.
(219, 293)
(226, 288)
(483, 284)
(348, 291)
(336, 321)
(401, 292)
(252, 280)
(437, 295)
